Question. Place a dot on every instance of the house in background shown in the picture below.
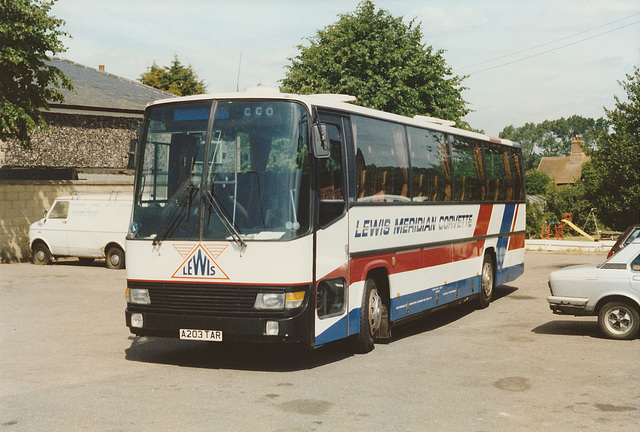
(565, 169)
(92, 128)
(86, 150)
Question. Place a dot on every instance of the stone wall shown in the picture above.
(22, 202)
(75, 140)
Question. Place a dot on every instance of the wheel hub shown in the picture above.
(375, 311)
(619, 320)
(487, 282)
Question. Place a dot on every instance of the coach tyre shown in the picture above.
(487, 282)
(619, 320)
(370, 317)
(115, 257)
(41, 254)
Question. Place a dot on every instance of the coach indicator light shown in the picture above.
(294, 300)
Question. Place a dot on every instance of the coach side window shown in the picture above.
(331, 173)
(468, 170)
(514, 168)
(498, 179)
(381, 160)
(430, 165)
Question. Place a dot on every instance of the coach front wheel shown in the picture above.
(370, 317)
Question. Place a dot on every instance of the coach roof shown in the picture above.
(343, 103)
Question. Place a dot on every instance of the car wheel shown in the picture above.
(115, 257)
(370, 317)
(41, 254)
(619, 320)
(487, 282)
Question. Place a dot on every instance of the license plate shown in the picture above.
(203, 335)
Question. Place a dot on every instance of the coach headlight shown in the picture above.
(138, 296)
(273, 301)
(279, 301)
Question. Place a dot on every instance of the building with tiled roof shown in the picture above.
(565, 169)
(94, 125)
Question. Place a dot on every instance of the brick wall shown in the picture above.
(22, 202)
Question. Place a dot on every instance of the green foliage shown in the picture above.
(612, 179)
(527, 136)
(536, 181)
(177, 79)
(552, 137)
(382, 61)
(27, 84)
(567, 199)
(535, 219)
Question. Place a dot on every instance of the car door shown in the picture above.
(55, 228)
(634, 274)
(332, 241)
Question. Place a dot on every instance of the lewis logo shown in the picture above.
(199, 262)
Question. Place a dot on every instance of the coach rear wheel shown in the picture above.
(370, 317)
(487, 282)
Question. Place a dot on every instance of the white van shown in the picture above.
(84, 226)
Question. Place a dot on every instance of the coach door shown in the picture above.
(332, 241)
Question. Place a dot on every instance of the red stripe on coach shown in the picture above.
(484, 218)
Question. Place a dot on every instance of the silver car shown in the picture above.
(610, 290)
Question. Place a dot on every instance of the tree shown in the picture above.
(27, 83)
(380, 60)
(536, 181)
(552, 137)
(567, 199)
(177, 79)
(528, 136)
(612, 178)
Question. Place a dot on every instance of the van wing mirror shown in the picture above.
(321, 145)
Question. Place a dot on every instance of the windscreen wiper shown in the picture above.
(214, 204)
(181, 209)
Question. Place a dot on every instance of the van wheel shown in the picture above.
(41, 254)
(115, 257)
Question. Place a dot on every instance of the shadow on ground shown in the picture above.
(236, 356)
(577, 327)
(442, 317)
(280, 358)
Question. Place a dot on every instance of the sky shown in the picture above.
(526, 61)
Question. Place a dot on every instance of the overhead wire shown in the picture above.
(549, 43)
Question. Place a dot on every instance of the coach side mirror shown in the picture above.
(321, 146)
(133, 146)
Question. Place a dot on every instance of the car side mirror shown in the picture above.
(321, 145)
